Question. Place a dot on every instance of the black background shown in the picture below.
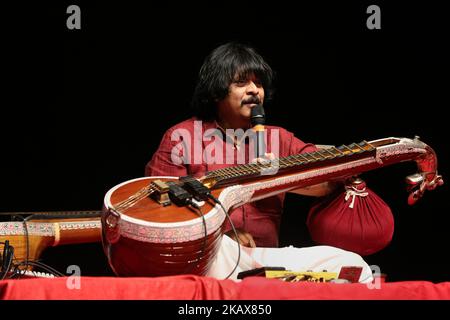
(85, 109)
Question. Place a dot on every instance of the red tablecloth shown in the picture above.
(195, 288)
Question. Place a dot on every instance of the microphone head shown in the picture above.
(257, 115)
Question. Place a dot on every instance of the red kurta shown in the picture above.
(199, 152)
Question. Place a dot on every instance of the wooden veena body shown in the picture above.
(142, 237)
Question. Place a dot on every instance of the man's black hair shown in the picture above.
(219, 70)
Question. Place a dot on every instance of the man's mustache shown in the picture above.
(254, 100)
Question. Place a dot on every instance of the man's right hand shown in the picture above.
(245, 238)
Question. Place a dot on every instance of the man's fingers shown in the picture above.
(252, 242)
(246, 240)
(243, 240)
(267, 158)
(260, 160)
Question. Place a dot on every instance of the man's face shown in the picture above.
(243, 94)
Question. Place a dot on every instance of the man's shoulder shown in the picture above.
(282, 131)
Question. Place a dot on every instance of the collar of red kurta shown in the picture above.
(216, 126)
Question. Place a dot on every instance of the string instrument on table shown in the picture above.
(30, 237)
(159, 226)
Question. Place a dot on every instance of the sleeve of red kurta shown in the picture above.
(168, 159)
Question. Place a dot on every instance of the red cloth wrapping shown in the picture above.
(198, 288)
(183, 287)
(257, 288)
(357, 220)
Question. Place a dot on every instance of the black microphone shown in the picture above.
(258, 118)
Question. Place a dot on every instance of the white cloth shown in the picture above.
(353, 192)
(316, 259)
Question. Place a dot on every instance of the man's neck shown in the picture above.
(229, 125)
